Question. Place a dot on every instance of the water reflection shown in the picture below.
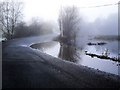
(68, 52)
(52, 48)
(111, 46)
(78, 56)
(101, 64)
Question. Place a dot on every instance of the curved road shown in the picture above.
(24, 67)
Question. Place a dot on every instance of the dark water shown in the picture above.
(77, 55)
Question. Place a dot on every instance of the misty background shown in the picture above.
(101, 26)
(94, 21)
(76, 23)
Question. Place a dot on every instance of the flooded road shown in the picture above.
(36, 69)
(54, 48)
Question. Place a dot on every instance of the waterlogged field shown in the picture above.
(102, 64)
(54, 48)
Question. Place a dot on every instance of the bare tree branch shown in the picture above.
(69, 21)
(10, 14)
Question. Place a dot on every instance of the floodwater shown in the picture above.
(55, 49)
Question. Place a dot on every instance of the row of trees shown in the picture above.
(12, 25)
(36, 27)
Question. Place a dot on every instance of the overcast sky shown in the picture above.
(99, 20)
(49, 9)
(101, 26)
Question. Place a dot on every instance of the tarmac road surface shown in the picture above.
(24, 67)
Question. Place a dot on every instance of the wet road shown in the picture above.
(24, 67)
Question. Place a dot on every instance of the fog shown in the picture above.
(101, 26)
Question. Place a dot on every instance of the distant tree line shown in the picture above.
(34, 29)
(12, 25)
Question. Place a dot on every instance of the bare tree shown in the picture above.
(10, 15)
(69, 23)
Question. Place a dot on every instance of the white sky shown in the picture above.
(49, 9)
